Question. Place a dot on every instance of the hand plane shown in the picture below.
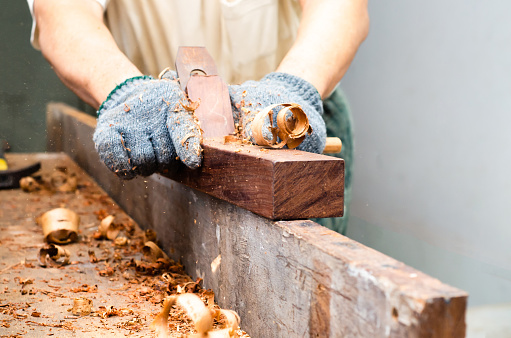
(274, 183)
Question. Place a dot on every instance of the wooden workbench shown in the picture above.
(34, 301)
(284, 278)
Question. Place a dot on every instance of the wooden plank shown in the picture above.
(274, 183)
(284, 278)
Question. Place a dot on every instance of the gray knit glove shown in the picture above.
(143, 128)
(279, 88)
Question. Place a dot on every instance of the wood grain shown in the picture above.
(285, 278)
(274, 183)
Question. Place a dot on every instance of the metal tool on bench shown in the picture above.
(10, 177)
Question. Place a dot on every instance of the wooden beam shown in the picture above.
(284, 278)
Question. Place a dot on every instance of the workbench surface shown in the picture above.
(34, 301)
(284, 278)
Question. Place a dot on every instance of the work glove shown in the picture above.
(143, 127)
(252, 96)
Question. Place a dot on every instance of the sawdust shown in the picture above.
(125, 285)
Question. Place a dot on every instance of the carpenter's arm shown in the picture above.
(329, 35)
(83, 53)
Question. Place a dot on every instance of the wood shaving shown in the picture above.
(61, 181)
(292, 126)
(81, 306)
(29, 184)
(53, 255)
(191, 105)
(60, 226)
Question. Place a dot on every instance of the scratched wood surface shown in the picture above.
(284, 278)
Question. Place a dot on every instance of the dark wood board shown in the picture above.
(285, 278)
(274, 183)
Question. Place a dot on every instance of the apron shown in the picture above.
(246, 38)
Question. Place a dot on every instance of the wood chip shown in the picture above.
(60, 226)
(53, 255)
(81, 306)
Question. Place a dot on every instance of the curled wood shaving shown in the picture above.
(108, 229)
(29, 184)
(81, 306)
(232, 320)
(61, 181)
(50, 255)
(60, 226)
(201, 316)
(121, 241)
(152, 252)
(292, 126)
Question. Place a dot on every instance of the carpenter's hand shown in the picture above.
(143, 128)
(279, 88)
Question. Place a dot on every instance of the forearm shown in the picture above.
(83, 53)
(329, 35)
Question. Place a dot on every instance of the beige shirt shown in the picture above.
(246, 38)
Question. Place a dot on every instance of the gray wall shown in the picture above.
(430, 90)
(27, 82)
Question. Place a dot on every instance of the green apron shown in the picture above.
(339, 123)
